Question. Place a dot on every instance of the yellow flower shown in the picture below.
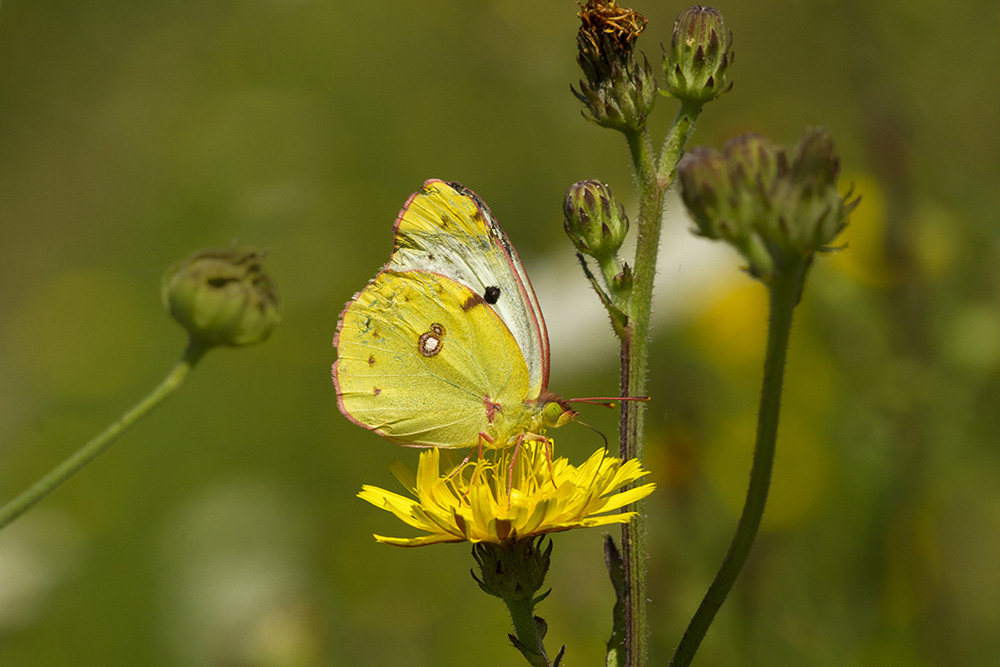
(490, 500)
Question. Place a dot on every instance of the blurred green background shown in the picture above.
(224, 530)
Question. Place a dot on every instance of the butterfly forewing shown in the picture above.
(446, 229)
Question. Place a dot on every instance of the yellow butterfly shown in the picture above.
(446, 346)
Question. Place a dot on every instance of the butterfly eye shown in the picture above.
(431, 342)
(555, 414)
(492, 294)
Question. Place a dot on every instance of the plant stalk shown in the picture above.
(104, 440)
(526, 630)
(654, 177)
(783, 295)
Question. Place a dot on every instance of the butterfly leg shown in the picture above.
(510, 468)
(548, 460)
(461, 465)
(482, 437)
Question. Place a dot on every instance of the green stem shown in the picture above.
(99, 444)
(633, 375)
(634, 355)
(654, 177)
(673, 146)
(522, 614)
(784, 292)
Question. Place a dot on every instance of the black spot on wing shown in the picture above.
(492, 294)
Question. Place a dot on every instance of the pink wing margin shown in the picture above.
(526, 290)
(333, 368)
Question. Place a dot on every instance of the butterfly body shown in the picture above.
(446, 346)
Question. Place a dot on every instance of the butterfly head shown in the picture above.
(555, 412)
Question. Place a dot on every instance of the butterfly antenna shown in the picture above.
(607, 401)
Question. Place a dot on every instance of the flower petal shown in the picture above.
(514, 495)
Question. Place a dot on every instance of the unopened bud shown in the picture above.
(776, 211)
(696, 68)
(595, 221)
(808, 208)
(223, 297)
(707, 191)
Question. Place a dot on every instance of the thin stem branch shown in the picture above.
(673, 146)
(784, 292)
(104, 440)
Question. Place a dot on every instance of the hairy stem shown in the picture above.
(654, 178)
(104, 440)
(784, 293)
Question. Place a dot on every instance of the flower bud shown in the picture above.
(223, 297)
(696, 69)
(708, 193)
(754, 163)
(774, 211)
(595, 222)
(619, 92)
(808, 209)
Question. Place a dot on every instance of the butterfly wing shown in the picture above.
(446, 229)
(424, 361)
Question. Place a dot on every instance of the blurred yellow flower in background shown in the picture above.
(493, 500)
(865, 237)
(730, 331)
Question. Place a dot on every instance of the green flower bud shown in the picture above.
(619, 92)
(515, 569)
(223, 297)
(774, 211)
(708, 193)
(595, 222)
(754, 162)
(725, 197)
(697, 67)
(809, 212)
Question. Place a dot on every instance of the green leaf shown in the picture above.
(616, 571)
